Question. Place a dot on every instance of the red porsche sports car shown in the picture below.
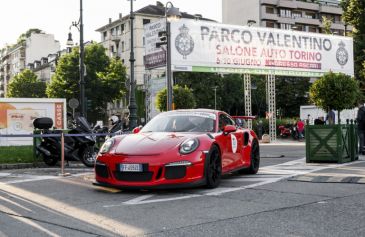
(180, 148)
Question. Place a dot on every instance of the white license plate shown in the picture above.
(131, 167)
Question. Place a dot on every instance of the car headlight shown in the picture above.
(107, 145)
(189, 146)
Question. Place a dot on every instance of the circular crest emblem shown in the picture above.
(184, 43)
(342, 56)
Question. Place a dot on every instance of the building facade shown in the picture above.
(116, 39)
(301, 15)
(16, 58)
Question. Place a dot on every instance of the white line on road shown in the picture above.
(297, 169)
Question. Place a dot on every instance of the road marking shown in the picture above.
(274, 174)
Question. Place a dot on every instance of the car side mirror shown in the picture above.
(228, 129)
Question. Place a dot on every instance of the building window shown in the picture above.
(122, 28)
(312, 29)
(285, 13)
(297, 14)
(146, 21)
(105, 34)
(270, 10)
(112, 48)
(270, 24)
(310, 15)
(122, 46)
(117, 29)
(112, 31)
(285, 26)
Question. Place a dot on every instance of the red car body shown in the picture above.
(165, 158)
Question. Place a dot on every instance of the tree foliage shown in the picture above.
(104, 80)
(26, 85)
(354, 15)
(335, 91)
(291, 93)
(183, 98)
(202, 85)
(327, 23)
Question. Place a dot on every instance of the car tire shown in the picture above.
(254, 159)
(213, 168)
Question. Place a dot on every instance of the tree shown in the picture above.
(291, 93)
(104, 81)
(202, 85)
(26, 85)
(183, 98)
(354, 15)
(327, 23)
(335, 91)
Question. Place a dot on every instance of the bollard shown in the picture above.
(63, 156)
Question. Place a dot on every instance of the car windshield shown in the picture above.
(181, 122)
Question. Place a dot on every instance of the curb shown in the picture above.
(37, 165)
(22, 166)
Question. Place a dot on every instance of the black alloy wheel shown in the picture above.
(213, 168)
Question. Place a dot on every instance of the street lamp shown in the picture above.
(132, 96)
(80, 26)
(171, 13)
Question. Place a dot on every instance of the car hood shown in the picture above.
(150, 143)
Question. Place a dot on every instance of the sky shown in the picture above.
(56, 16)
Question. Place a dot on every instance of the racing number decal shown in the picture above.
(234, 143)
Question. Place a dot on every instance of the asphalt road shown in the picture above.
(37, 202)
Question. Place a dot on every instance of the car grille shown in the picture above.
(133, 176)
(175, 172)
(101, 170)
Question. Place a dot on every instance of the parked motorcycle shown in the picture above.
(284, 131)
(80, 148)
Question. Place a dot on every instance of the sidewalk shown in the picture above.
(284, 142)
(352, 172)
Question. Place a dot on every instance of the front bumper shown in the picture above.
(158, 173)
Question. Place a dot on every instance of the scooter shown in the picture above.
(284, 131)
(80, 148)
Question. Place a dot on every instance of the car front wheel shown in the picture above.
(213, 168)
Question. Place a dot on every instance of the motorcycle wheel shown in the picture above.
(88, 155)
(49, 160)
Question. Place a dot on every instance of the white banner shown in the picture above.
(154, 57)
(212, 47)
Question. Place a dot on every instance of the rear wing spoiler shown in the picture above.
(244, 117)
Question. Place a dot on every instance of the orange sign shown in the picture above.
(59, 115)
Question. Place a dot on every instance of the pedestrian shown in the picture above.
(300, 129)
(361, 127)
(330, 119)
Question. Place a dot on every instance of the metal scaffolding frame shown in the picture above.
(247, 92)
(271, 104)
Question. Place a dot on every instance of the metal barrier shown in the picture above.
(37, 138)
(331, 143)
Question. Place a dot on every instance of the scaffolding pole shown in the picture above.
(247, 91)
(270, 95)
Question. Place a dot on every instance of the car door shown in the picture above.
(230, 144)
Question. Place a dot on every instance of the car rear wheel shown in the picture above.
(255, 159)
(213, 168)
